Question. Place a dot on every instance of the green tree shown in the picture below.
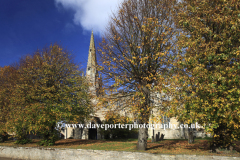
(50, 89)
(135, 55)
(208, 67)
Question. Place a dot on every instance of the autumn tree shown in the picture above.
(50, 89)
(135, 57)
(209, 67)
(8, 81)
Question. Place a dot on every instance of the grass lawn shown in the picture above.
(170, 146)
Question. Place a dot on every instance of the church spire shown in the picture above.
(91, 72)
(92, 44)
(92, 61)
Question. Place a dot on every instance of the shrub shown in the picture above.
(21, 135)
(49, 140)
(4, 136)
(23, 141)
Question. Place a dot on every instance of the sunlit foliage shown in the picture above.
(8, 81)
(49, 89)
(208, 67)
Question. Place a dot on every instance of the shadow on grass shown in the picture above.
(69, 142)
(180, 143)
(122, 140)
(167, 144)
(82, 141)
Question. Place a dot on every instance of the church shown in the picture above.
(169, 127)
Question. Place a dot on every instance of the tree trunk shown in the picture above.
(190, 135)
(143, 130)
(142, 138)
(184, 131)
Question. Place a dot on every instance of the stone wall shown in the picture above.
(81, 154)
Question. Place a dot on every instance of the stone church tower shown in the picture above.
(91, 72)
(95, 84)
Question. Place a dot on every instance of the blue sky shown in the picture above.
(28, 25)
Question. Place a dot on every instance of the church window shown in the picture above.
(165, 121)
(135, 121)
(89, 68)
(73, 133)
(118, 103)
